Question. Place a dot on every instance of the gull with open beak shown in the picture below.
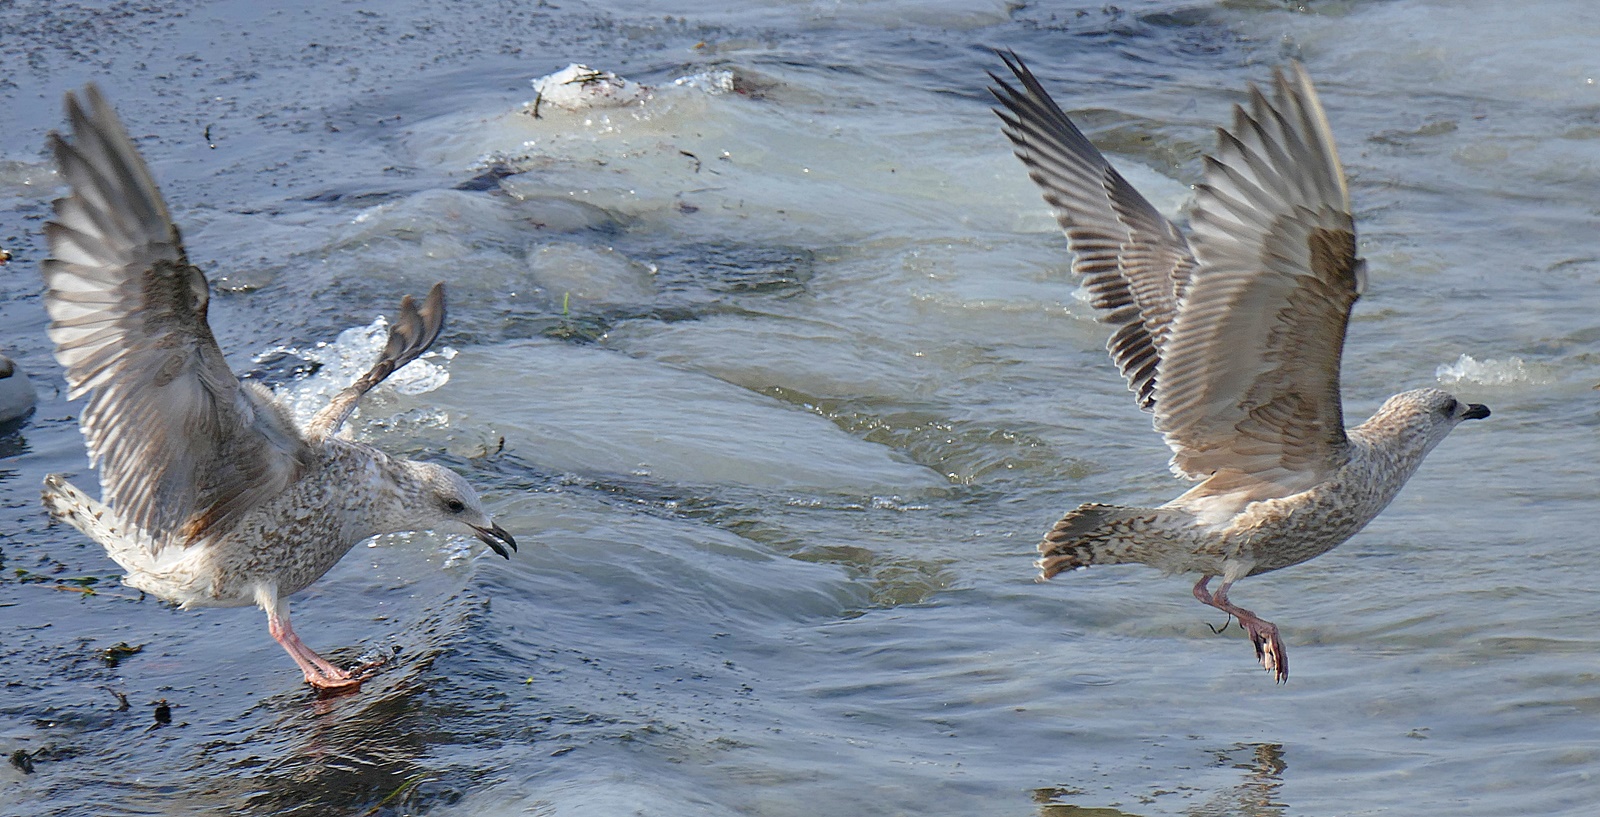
(210, 495)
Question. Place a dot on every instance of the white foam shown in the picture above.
(1491, 372)
(347, 358)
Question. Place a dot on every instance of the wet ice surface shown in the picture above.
(790, 378)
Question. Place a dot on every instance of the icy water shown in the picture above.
(790, 376)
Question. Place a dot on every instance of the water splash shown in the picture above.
(1491, 372)
(347, 358)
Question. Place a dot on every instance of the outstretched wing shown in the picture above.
(1133, 260)
(1249, 376)
(180, 446)
(413, 332)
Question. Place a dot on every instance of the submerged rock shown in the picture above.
(17, 397)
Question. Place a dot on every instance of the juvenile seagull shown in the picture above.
(211, 496)
(1233, 345)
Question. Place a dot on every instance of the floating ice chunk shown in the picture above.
(591, 276)
(347, 358)
(592, 411)
(27, 178)
(1491, 372)
(579, 87)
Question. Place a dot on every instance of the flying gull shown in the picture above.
(210, 496)
(1232, 342)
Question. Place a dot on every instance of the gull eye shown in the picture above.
(1450, 407)
(455, 506)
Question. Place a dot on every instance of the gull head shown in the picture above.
(439, 499)
(1425, 415)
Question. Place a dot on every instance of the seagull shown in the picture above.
(1231, 338)
(210, 494)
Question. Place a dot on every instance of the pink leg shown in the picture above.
(319, 672)
(1264, 634)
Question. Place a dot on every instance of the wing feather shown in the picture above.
(180, 445)
(1249, 378)
(1134, 262)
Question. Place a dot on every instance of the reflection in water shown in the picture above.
(1065, 810)
(1255, 796)
(349, 752)
(1048, 796)
(12, 443)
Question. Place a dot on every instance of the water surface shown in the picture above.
(780, 385)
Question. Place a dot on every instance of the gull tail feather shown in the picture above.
(1094, 534)
(125, 544)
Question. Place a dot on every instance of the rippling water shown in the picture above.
(789, 379)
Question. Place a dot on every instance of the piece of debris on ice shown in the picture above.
(579, 87)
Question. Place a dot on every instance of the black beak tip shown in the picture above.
(497, 539)
(1476, 411)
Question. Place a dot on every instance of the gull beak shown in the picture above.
(1476, 411)
(496, 537)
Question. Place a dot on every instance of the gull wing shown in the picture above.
(414, 330)
(1249, 376)
(1134, 261)
(181, 446)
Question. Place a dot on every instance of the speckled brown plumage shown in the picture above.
(210, 495)
(1234, 345)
